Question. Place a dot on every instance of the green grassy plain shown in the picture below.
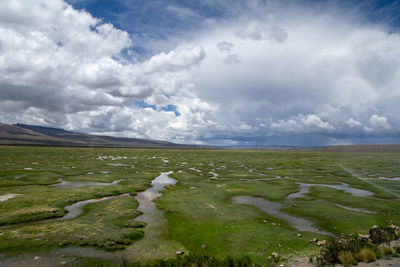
(199, 208)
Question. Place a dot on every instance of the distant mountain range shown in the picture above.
(22, 134)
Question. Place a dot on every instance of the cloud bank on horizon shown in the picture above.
(205, 72)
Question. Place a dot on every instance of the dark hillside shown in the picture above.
(22, 134)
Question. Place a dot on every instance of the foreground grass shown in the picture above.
(200, 216)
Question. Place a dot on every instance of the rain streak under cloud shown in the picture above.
(249, 73)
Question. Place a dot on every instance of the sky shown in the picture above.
(215, 72)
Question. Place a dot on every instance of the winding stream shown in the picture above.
(301, 224)
(145, 198)
(76, 209)
(305, 189)
(155, 243)
(274, 208)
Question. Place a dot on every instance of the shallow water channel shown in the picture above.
(76, 209)
(145, 198)
(301, 224)
(155, 243)
(67, 184)
(305, 189)
(389, 179)
(274, 208)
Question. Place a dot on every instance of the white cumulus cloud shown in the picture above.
(353, 123)
(379, 122)
(299, 71)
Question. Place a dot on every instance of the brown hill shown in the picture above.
(22, 134)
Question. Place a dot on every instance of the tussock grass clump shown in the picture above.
(347, 258)
(366, 254)
(352, 248)
(335, 247)
(386, 251)
(135, 224)
(134, 234)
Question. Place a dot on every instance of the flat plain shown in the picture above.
(224, 203)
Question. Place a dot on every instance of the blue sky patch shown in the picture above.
(172, 108)
(142, 104)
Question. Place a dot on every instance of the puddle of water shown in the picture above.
(7, 196)
(214, 175)
(273, 208)
(194, 169)
(67, 184)
(76, 209)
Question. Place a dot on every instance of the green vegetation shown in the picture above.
(197, 215)
(347, 258)
(366, 254)
(103, 225)
(205, 261)
(348, 249)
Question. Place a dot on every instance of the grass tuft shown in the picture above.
(366, 254)
(386, 251)
(347, 258)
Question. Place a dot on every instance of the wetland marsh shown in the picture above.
(141, 205)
